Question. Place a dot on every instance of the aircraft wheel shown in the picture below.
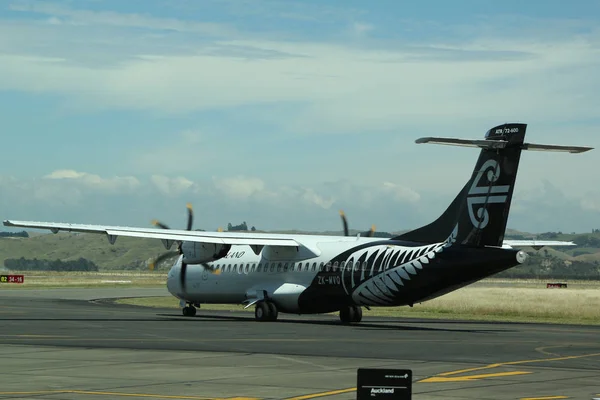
(351, 314)
(262, 311)
(189, 311)
(357, 313)
(347, 314)
(273, 312)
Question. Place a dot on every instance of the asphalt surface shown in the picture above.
(81, 345)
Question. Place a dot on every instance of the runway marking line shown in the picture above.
(121, 394)
(442, 377)
(322, 394)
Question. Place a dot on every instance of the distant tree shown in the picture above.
(24, 264)
(253, 228)
(14, 234)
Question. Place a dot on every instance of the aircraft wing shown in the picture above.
(536, 243)
(167, 235)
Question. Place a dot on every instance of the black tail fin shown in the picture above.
(480, 211)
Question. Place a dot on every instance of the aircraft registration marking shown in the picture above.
(329, 280)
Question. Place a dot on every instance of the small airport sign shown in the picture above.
(12, 279)
(383, 384)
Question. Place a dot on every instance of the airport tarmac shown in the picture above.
(75, 344)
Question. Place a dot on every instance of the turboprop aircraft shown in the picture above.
(309, 274)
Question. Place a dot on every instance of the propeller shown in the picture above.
(369, 233)
(173, 253)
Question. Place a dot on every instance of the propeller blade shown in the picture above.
(345, 222)
(182, 274)
(212, 270)
(159, 224)
(161, 258)
(371, 232)
(190, 220)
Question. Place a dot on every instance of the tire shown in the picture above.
(356, 313)
(273, 312)
(262, 311)
(345, 315)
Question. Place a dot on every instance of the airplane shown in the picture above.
(316, 274)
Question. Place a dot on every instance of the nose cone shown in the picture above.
(173, 278)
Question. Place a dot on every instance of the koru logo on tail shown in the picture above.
(484, 192)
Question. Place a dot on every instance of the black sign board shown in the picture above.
(556, 285)
(384, 384)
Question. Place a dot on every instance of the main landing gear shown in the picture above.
(266, 311)
(351, 314)
(189, 310)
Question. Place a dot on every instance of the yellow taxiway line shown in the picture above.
(322, 394)
(449, 376)
(467, 378)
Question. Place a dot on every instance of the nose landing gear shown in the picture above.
(189, 310)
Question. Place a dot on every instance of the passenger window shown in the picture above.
(272, 267)
(349, 266)
(335, 266)
(234, 267)
(328, 266)
(342, 265)
(259, 267)
(247, 268)
(299, 266)
(285, 267)
(321, 267)
(253, 267)
(279, 266)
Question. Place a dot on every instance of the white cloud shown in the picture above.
(314, 198)
(113, 184)
(335, 87)
(400, 193)
(171, 186)
(240, 188)
(110, 18)
(591, 201)
(68, 195)
(360, 29)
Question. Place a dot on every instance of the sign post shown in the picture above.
(383, 384)
(12, 278)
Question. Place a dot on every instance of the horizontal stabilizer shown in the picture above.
(552, 147)
(536, 243)
(484, 144)
(501, 144)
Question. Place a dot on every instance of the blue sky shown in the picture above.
(281, 113)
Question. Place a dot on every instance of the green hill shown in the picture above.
(581, 261)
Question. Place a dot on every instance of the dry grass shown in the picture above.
(492, 299)
(41, 280)
(573, 305)
(567, 306)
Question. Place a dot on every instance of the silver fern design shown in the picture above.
(391, 266)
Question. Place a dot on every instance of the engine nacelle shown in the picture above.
(196, 253)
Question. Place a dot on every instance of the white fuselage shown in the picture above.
(361, 271)
(242, 271)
